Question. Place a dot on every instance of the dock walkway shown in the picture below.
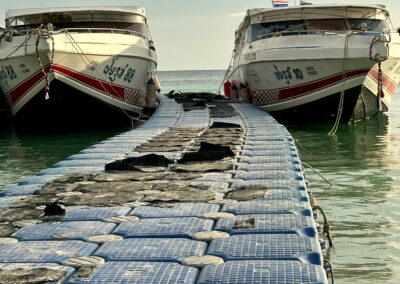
(206, 191)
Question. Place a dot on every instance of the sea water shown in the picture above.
(362, 161)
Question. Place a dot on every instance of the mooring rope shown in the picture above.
(301, 146)
(83, 56)
(86, 60)
(46, 74)
(380, 78)
(327, 227)
(342, 93)
(148, 45)
(380, 87)
(25, 42)
(318, 173)
(226, 74)
(329, 270)
(39, 31)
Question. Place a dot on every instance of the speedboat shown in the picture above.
(76, 64)
(316, 63)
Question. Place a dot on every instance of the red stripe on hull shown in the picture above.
(387, 83)
(99, 85)
(21, 89)
(318, 85)
(128, 95)
(104, 87)
(271, 96)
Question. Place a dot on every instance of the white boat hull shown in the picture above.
(112, 68)
(289, 74)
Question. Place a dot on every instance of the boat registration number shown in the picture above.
(7, 72)
(250, 56)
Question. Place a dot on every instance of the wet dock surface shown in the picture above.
(206, 191)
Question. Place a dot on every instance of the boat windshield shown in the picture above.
(263, 30)
(372, 24)
(82, 20)
(287, 28)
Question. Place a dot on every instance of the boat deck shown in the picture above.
(206, 191)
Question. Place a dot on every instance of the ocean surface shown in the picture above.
(362, 161)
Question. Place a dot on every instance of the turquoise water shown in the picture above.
(362, 161)
(25, 154)
(191, 81)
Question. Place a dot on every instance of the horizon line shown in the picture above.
(191, 70)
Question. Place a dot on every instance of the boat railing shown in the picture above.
(316, 32)
(81, 30)
(102, 30)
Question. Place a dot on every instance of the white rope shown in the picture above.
(380, 87)
(83, 57)
(25, 42)
(148, 45)
(226, 74)
(375, 40)
(317, 172)
(40, 31)
(46, 74)
(342, 93)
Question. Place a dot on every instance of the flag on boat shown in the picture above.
(279, 3)
(305, 2)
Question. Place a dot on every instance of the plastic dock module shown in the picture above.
(271, 183)
(215, 177)
(298, 194)
(293, 159)
(289, 147)
(268, 206)
(272, 246)
(20, 190)
(175, 210)
(266, 223)
(269, 152)
(72, 170)
(121, 272)
(64, 230)
(164, 227)
(39, 180)
(95, 156)
(44, 252)
(266, 167)
(82, 163)
(272, 174)
(194, 118)
(86, 213)
(164, 250)
(238, 212)
(263, 271)
(7, 201)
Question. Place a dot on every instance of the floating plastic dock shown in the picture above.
(206, 191)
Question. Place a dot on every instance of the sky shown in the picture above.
(190, 34)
